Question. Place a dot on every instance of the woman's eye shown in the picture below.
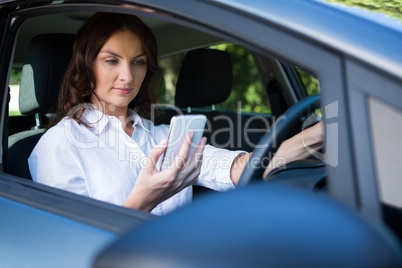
(111, 61)
(139, 62)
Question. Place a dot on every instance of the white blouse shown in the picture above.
(103, 162)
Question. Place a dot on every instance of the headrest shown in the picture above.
(205, 78)
(45, 64)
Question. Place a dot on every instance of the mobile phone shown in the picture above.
(180, 126)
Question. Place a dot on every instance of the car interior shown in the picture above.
(204, 80)
(43, 51)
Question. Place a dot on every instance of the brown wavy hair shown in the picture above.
(79, 81)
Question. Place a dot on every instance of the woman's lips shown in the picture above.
(123, 90)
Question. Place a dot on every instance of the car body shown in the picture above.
(358, 63)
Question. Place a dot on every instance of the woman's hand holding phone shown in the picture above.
(154, 186)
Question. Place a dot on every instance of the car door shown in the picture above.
(44, 226)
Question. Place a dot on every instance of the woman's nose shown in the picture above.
(125, 73)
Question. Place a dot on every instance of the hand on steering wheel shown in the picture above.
(277, 133)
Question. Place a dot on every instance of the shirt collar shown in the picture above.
(94, 117)
(138, 120)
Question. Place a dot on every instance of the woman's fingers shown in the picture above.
(189, 174)
(200, 152)
(155, 153)
(182, 157)
(187, 171)
(197, 157)
(188, 177)
(192, 177)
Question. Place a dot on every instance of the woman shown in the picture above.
(100, 147)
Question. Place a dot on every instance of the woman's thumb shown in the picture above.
(156, 152)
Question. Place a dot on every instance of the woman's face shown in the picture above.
(119, 69)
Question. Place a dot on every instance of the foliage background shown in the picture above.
(391, 8)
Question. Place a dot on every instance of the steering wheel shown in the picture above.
(278, 132)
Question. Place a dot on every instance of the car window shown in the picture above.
(248, 93)
(14, 84)
(388, 148)
(310, 82)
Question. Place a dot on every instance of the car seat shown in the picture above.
(206, 79)
(45, 64)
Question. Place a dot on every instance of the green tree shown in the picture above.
(311, 83)
(15, 76)
(247, 86)
(390, 8)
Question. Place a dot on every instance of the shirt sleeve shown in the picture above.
(55, 162)
(215, 169)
